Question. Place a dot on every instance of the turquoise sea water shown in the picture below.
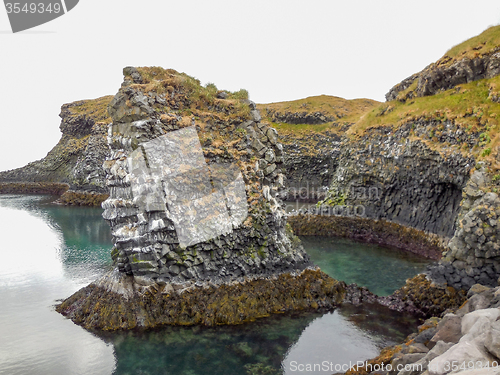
(380, 269)
(48, 252)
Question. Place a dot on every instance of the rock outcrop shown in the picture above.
(311, 130)
(396, 178)
(195, 211)
(475, 59)
(75, 161)
(446, 74)
(309, 163)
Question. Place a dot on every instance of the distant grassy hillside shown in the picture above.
(485, 43)
(343, 111)
(474, 106)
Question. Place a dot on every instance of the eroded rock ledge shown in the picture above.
(117, 301)
(323, 222)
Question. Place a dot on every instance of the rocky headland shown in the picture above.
(420, 172)
(73, 168)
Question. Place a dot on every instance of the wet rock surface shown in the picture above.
(419, 296)
(120, 302)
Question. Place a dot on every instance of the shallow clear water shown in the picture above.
(380, 269)
(48, 252)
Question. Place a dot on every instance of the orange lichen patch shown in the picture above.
(384, 358)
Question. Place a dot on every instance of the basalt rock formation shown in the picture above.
(311, 131)
(428, 159)
(463, 341)
(195, 211)
(76, 161)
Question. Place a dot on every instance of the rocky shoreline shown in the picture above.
(33, 188)
(463, 340)
(323, 222)
(76, 161)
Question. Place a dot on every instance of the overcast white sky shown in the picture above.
(278, 50)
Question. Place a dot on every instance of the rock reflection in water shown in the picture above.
(267, 346)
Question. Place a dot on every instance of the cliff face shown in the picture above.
(232, 137)
(429, 159)
(392, 174)
(311, 130)
(195, 186)
(77, 158)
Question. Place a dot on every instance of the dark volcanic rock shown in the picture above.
(309, 163)
(394, 178)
